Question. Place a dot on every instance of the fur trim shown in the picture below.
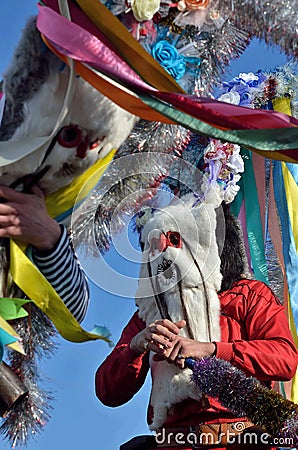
(197, 228)
(35, 85)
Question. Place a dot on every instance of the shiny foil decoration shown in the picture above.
(276, 22)
(276, 279)
(246, 397)
(28, 416)
(141, 162)
(217, 49)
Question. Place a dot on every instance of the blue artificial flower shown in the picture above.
(244, 85)
(168, 57)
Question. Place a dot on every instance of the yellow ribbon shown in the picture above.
(291, 190)
(15, 345)
(65, 198)
(38, 289)
(31, 281)
(283, 105)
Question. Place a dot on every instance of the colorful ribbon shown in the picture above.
(39, 290)
(59, 204)
(5, 339)
(291, 195)
(290, 179)
(128, 47)
(12, 308)
(205, 116)
(248, 197)
(289, 251)
(9, 337)
(286, 189)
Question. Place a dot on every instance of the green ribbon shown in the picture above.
(267, 139)
(11, 308)
(248, 190)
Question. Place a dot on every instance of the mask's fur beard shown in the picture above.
(207, 306)
(170, 384)
(196, 305)
(161, 301)
(159, 297)
(184, 310)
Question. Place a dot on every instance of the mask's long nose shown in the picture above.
(158, 244)
(165, 240)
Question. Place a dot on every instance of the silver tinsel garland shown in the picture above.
(132, 178)
(217, 48)
(223, 32)
(28, 417)
(246, 397)
(276, 22)
(274, 269)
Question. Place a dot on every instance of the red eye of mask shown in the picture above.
(174, 239)
(70, 136)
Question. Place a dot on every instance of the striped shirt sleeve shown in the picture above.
(63, 271)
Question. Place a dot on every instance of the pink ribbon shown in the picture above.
(75, 42)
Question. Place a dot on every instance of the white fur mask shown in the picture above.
(181, 271)
(35, 87)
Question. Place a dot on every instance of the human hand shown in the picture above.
(157, 336)
(183, 348)
(25, 217)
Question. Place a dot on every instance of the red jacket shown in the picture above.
(255, 337)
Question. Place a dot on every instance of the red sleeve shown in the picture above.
(124, 371)
(268, 352)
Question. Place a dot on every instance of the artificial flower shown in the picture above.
(144, 10)
(223, 165)
(191, 5)
(167, 55)
(232, 97)
(230, 191)
(249, 78)
(235, 161)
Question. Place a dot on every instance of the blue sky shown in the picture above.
(78, 419)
